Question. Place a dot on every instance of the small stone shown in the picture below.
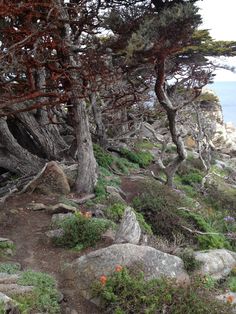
(129, 230)
(57, 218)
(57, 233)
(62, 208)
(37, 206)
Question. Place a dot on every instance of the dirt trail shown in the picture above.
(27, 229)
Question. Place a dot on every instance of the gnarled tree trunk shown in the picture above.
(13, 156)
(171, 112)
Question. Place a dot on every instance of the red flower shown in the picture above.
(103, 280)
(118, 268)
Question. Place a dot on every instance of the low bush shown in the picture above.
(124, 292)
(44, 298)
(9, 268)
(103, 158)
(206, 241)
(158, 204)
(81, 232)
(190, 263)
(192, 178)
(115, 213)
(143, 159)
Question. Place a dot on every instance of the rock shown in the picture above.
(8, 279)
(57, 233)
(216, 263)
(13, 289)
(129, 230)
(154, 264)
(108, 236)
(71, 173)
(62, 208)
(112, 190)
(9, 305)
(57, 218)
(51, 180)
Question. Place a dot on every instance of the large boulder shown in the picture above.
(216, 263)
(129, 230)
(87, 269)
(51, 180)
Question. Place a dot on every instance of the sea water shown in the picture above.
(226, 91)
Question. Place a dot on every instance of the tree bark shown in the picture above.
(171, 112)
(100, 128)
(87, 166)
(13, 156)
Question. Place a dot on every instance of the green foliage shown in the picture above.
(232, 283)
(9, 268)
(6, 245)
(143, 159)
(44, 298)
(123, 165)
(115, 213)
(206, 241)
(81, 232)
(103, 158)
(144, 144)
(128, 293)
(192, 178)
(209, 282)
(159, 204)
(190, 263)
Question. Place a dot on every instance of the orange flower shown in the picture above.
(118, 268)
(87, 214)
(230, 298)
(103, 280)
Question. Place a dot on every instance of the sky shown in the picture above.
(219, 17)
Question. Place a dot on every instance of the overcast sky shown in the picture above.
(219, 17)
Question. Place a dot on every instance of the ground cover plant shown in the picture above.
(127, 292)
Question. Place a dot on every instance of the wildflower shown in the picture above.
(103, 280)
(230, 299)
(229, 219)
(118, 268)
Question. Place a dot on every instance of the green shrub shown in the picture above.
(44, 297)
(115, 213)
(206, 241)
(126, 293)
(9, 268)
(190, 263)
(103, 158)
(158, 204)
(192, 178)
(143, 159)
(232, 284)
(81, 232)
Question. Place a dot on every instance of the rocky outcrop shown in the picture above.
(51, 180)
(216, 263)
(8, 305)
(88, 268)
(129, 230)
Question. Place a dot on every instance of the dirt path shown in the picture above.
(27, 230)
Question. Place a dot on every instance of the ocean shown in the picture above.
(226, 91)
